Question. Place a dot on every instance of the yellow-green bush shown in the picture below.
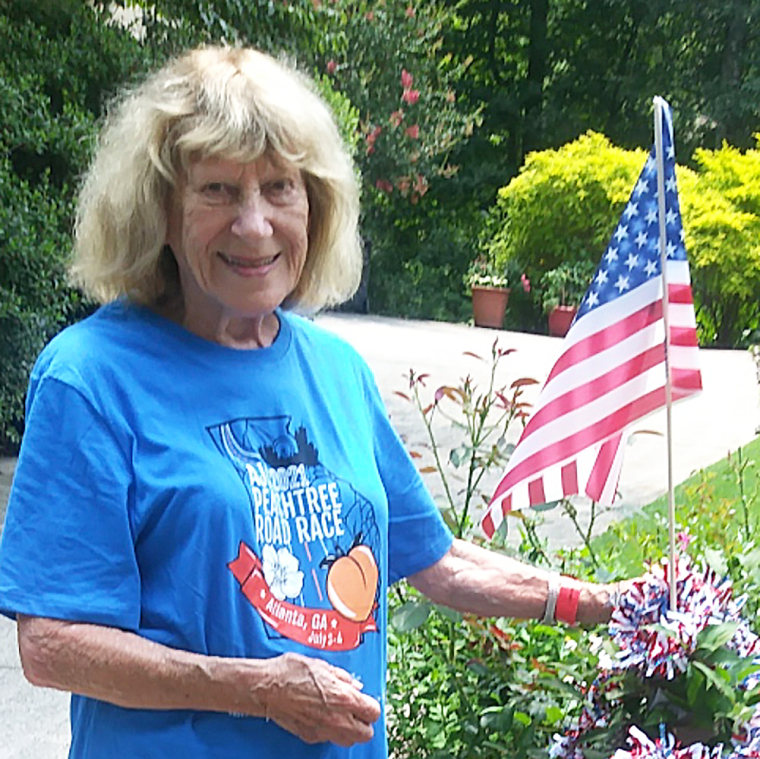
(565, 203)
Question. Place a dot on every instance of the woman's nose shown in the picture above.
(252, 218)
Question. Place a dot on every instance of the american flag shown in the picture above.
(611, 372)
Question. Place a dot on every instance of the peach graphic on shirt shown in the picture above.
(352, 581)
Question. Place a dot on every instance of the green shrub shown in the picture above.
(722, 224)
(563, 205)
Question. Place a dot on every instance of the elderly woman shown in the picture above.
(210, 503)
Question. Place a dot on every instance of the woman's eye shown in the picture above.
(281, 190)
(218, 191)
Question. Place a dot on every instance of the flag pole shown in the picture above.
(658, 113)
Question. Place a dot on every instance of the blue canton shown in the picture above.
(633, 254)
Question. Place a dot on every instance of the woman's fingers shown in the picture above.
(320, 702)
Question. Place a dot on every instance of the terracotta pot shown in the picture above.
(560, 319)
(489, 305)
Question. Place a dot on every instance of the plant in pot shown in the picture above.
(562, 290)
(489, 285)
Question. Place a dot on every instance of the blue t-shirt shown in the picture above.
(231, 503)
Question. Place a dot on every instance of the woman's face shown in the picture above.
(239, 232)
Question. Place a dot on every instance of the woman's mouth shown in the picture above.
(248, 265)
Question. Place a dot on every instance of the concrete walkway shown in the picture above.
(34, 722)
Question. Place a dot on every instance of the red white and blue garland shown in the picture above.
(654, 641)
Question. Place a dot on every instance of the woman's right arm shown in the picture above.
(308, 697)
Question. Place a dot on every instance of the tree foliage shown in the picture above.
(440, 102)
(65, 60)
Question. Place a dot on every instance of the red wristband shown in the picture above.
(567, 604)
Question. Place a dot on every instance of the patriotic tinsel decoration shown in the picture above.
(654, 641)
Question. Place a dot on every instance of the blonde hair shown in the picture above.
(236, 103)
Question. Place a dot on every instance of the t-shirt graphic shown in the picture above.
(312, 571)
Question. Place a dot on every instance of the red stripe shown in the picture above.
(569, 476)
(686, 381)
(679, 294)
(578, 441)
(602, 466)
(536, 492)
(488, 526)
(596, 388)
(683, 336)
(607, 337)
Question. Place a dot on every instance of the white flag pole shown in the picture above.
(659, 107)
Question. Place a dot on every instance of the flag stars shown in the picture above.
(631, 210)
(642, 186)
(601, 277)
(670, 185)
(651, 217)
(641, 239)
(650, 166)
(632, 261)
(611, 255)
(621, 233)
(592, 299)
(651, 267)
(622, 283)
(670, 249)
(670, 216)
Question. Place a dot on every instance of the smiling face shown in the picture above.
(239, 233)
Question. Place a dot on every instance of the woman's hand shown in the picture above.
(319, 702)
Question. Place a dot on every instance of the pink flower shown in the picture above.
(371, 138)
(413, 131)
(410, 11)
(384, 186)
(420, 185)
(406, 79)
(684, 539)
(410, 96)
(525, 283)
(370, 16)
(396, 117)
(331, 66)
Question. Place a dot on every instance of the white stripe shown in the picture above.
(610, 486)
(682, 315)
(684, 357)
(553, 483)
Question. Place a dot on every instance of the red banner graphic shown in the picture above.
(318, 628)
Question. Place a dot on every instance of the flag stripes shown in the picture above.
(611, 372)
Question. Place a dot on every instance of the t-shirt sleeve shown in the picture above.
(417, 535)
(67, 549)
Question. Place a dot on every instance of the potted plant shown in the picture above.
(489, 285)
(562, 290)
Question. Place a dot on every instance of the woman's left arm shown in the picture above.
(473, 579)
